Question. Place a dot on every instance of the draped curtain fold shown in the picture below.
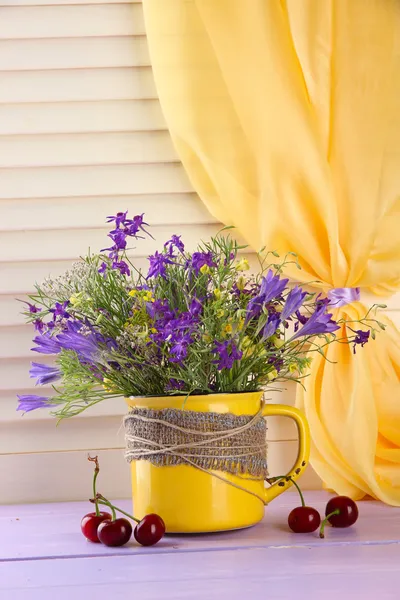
(286, 116)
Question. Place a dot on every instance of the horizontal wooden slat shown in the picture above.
(39, 436)
(73, 53)
(35, 246)
(71, 21)
(62, 213)
(50, 477)
(86, 149)
(81, 117)
(77, 85)
(93, 181)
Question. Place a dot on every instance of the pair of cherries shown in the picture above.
(101, 526)
(340, 511)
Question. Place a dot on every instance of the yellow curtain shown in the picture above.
(286, 116)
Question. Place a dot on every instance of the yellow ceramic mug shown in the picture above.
(191, 501)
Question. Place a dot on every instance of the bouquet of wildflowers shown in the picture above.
(195, 323)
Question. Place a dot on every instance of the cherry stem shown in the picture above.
(289, 478)
(325, 521)
(101, 500)
(95, 474)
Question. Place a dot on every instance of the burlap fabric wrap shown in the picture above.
(209, 441)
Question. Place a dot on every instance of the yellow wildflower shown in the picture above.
(205, 269)
(132, 293)
(240, 324)
(217, 293)
(241, 283)
(206, 338)
(106, 385)
(228, 328)
(278, 342)
(220, 313)
(272, 374)
(292, 367)
(76, 299)
(243, 265)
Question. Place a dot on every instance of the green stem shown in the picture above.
(326, 520)
(289, 478)
(105, 502)
(95, 474)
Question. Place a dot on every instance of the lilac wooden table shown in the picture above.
(43, 556)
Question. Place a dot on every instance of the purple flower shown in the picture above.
(59, 310)
(195, 307)
(158, 264)
(179, 349)
(103, 268)
(361, 338)
(122, 267)
(39, 325)
(271, 326)
(174, 242)
(32, 402)
(227, 353)
(118, 219)
(294, 301)
(229, 259)
(119, 238)
(86, 346)
(174, 384)
(44, 373)
(132, 226)
(158, 309)
(46, 344)
(32, 308)
(271, 287)
(320, 322)
(200, 259)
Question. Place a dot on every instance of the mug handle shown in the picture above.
(303, 454)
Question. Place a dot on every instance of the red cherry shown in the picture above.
(115, 533)
(348, 511)
(90, 524)
(304, 519)
(150, 530)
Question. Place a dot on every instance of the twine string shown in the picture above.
(150, 435)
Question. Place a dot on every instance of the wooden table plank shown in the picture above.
(53, 530)
(328, 573)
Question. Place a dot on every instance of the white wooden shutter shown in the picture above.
(81, 136)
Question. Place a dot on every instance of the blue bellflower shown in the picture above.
(294, 301)
(271, 287)
(46, 344)
(320, 322)
(272, 325)
(44, 373)
(85, 346)
(32, 402)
